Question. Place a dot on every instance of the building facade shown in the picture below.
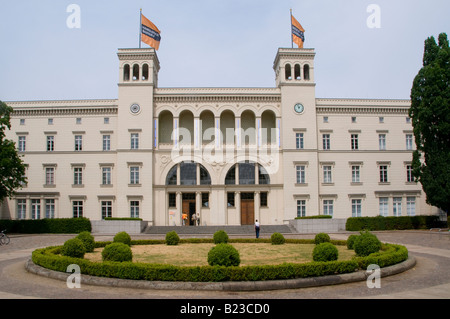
(218, 156)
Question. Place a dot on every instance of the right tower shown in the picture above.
(294, 73)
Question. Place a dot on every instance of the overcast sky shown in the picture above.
(212, 43)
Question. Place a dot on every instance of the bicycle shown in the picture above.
(4, 239)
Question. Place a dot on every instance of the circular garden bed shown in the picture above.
(186, 260)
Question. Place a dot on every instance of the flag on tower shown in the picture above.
(298, 35)
(150, 34)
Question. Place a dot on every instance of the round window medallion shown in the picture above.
(135, 108)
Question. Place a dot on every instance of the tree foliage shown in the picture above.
(430, 114)
(12, 169)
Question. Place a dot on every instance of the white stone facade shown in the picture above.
(226, 155)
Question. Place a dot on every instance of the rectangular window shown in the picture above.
(77, 208)
(106, 175)
(327, 174)
(106, 120)
(353, 119)
(382, 141)
(397, 206)
(50, 143)
(409, 174)
(299, 141)
(409, 141)
(134, 209)
(301, 208)
(21, 208)
(356, 208)
(411, 206)
(35, 209)
(106, 142)
(230, 199)
(49, 176)
(106, 209)
(78, 176)
(78, 142)
(172, 200)
(326, 141)
(205, 199)
(381, 119)
(134, 175)
(328, 207)
(354, 141)
(134, 141)
(383, 206)
(263, 199)
(49, 208)
(300, 170)
(22, 143)
(50, 121)
(78, 120)
(355, 174)
(383, 174)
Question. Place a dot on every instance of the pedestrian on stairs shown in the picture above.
(257, 227)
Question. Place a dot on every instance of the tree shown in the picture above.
(12, 169)
(430, 114)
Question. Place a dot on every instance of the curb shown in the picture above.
(329, 280)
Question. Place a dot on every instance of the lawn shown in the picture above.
(197, 254)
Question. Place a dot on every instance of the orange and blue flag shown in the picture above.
(298, 33)
(150, 34)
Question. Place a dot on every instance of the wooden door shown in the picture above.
(247, 211)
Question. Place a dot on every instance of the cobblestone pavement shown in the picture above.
(429, 279)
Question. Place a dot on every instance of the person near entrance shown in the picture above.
(184, 217)
(257, 227)
(194, 219)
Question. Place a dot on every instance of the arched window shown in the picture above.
(306, 72)
(188, 174)
(126, 72)
(145, 72)
(230, 178)
(297, 72)
(171, 178)
(135, 72)
(263, 176)
(287, 71)
(247, 174)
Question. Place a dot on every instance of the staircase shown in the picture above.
(209, 230)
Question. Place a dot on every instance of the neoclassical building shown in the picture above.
(225, 155)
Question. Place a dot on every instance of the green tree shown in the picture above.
(12, 169)
(430, 114)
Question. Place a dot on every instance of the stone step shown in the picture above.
(231, 230)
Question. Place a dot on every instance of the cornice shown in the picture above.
(362, 106)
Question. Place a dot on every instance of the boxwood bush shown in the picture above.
(321, 238)
(73, 248)
(122, 237)
(351, 241)
(366, 244)
(172, 238)
(223, 255)
(220, 237)
(277, 239)
(325, 252)
(117, 252)
(88, 241)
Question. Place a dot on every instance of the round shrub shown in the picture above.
(223, 255)
(351, 241)
(325, 252)
(88, 241)
(172, 238)
(366, 244)
(117, 252)
(321, 238)
(220, 237)
(277, 239)
(73, 248)
(122, 237)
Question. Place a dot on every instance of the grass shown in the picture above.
(197, 254)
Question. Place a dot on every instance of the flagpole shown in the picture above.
(140, 27)
(292, 36)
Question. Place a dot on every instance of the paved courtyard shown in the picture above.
(429, 279)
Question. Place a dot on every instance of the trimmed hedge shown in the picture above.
(172, 238)
(88, 241)
(122, 237)
(325, 251)
(223, 255)
(49, 258)
(321, 238)
(47, 226)
(277, 239)
(220, 237)
(315, 217)
(393, 223)
(117, 251)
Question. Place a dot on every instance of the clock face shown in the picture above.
(135, 108)
(298, 108)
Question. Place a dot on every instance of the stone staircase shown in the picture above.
(209, 230)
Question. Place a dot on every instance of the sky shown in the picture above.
(361, 52)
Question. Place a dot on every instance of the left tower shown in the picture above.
(138, 77)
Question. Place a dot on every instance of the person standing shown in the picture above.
(257, 227)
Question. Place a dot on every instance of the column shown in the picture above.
(178, 220)
(237, 204)
(175, 132)
(198, 205)
(257, 205)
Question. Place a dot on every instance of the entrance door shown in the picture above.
(247, 209)
(188, 207)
